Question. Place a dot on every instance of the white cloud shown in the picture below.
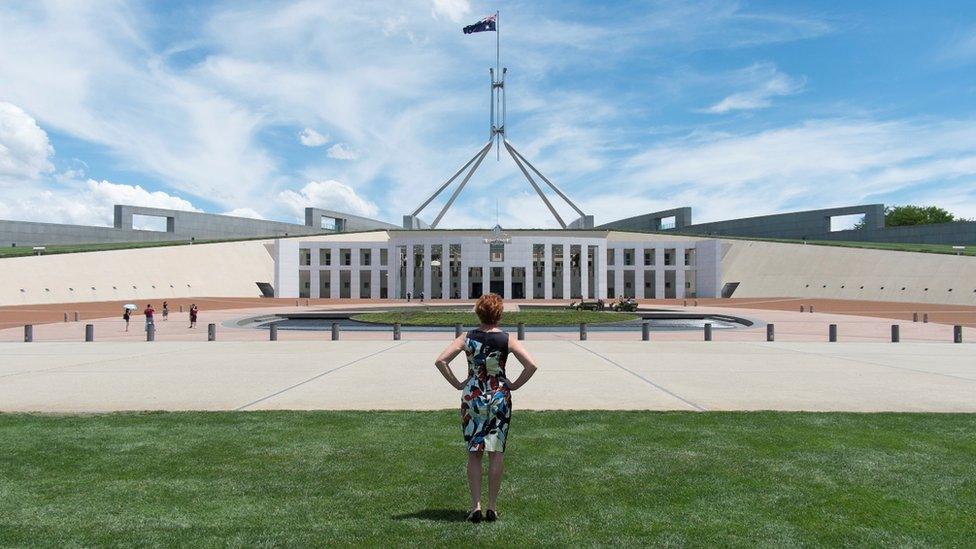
(331, 195)
(82, 202)
(764, 82)
(818, 163)
(452, 9)
(244, 212)
(312, 138)
(24, 147)
(341, 151)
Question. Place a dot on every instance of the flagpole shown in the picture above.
(498, 34)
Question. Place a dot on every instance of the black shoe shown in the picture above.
(491, 515)
(475, 516)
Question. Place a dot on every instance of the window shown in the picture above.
(496, 252)
(329, 223)
(611, 256)
(846, 222)
(365, 255)
(384, 256)
(304, 257)
(649, 257)
(325, 256)
(628, 257)
(669, 257)
(690, 257)
(345, 255)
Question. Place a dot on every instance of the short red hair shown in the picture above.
(489, 308)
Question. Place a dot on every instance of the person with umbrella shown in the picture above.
(127, 314)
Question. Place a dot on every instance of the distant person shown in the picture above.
(193, 315)
(457, 295)
(486, 401)
(165, 311)
(408, 297)
(421, 297)
(149, 312)
(126, 316)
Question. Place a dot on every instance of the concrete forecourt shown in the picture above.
(398, 375)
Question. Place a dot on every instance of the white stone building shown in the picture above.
(519, 264)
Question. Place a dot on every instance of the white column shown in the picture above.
(584, 270)
(547, 272)
(659, 273)
(506, 281)
(529, 282)
(393, 273)
(354, 273)
(618, 272)
(679, 275)
(485, 278)
(427, 271)
(464, 280)
(314, 272)
(334, 290)
(409, 285)
(374, 273)
(567, 270)
(600, 271)
(446, 270)
(639, 273)
(286, 268)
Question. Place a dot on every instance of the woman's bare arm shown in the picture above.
(528, 364)
(443, 361)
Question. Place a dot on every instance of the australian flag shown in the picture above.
(486, 24)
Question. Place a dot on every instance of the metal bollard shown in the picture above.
(211, 332)
(296, 303)
(458, 329)
(28, 333)
(686, 303)
(811, 308)
(770, 332)
(708, 331)
(89, 332)
(335, 331)
(181, 308)
(65, 317)
(914, 317)
(957, 334)
(521, 331)
(396, 331)
(832, 333)
(645, 331)
(895, 333)
(151, 332)
(801, 308)
(582, 331)
(696, 303)
(273, 332)
(77, 316)
(925, 317)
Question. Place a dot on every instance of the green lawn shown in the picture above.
(554, 317)
(573, 478)
(21, 251)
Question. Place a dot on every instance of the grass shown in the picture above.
(891, 246)
(572, 478)
(554, 317)
(21, 251)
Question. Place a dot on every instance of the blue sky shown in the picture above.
(263, 108)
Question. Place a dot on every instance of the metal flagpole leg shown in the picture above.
(534, 185)
(481, 156)
(550, 183)
(451, 180)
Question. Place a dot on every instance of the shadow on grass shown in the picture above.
(442, 515)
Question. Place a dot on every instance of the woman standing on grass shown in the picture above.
(486, 402)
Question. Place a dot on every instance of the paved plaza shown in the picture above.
(375, 374)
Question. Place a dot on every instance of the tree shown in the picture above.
(896, 216)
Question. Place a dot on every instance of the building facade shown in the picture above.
(523, 265)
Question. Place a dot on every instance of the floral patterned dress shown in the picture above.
(486, 402)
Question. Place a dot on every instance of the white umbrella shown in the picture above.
(130, 306)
